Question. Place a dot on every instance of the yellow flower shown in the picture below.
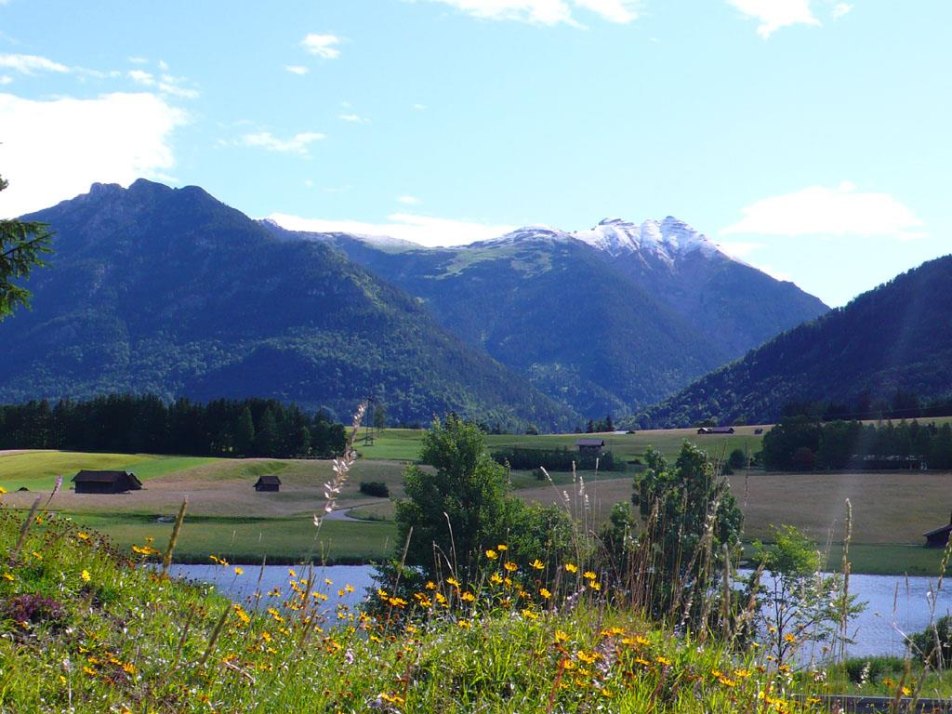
(452, 581)
(561, 636)
(430, 585)
(291, 573)
(537, 564)
(510, 566)
(585, 657)
(85, 576)
(83, 535)
(789, 638)
(495, 579)
(8, 576)
(545, 593)
(571, 567)
(468, 597)
(491, 554)
(662, 660)
(589, 575)
(464, 624)
(239, 570)
(2, 490)
(502, 548)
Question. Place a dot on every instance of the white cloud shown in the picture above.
(424, 230)
(353, 118)
(54, 150)
(419, 107)
(776, 14)
(822, 211)
(5, 79)
(546, 12)
(407, 200)
(29, 64)
(324, 46)
(173, 86)
(140, 76)
(619, 11)
(297, 69)
(297, 144)
(840, 9)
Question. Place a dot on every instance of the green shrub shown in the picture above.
(377, 489)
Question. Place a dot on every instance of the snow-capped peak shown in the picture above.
(666, 239)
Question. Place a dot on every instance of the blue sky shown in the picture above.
(809, 138)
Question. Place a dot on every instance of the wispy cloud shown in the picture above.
(114, 138)
(423, 230)
(776, 14)
(165, 83)
(297, 69)
(353, 118)
(297, 144)
(840, 9)
(31, 64)
(836, 212)
(324, 46)
(408, 200)
(547, 12)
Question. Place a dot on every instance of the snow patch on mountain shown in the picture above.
(667, 240)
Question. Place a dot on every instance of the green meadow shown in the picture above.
(226, 517)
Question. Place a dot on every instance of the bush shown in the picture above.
(377, 489)
(934, 644)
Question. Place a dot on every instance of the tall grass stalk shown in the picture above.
(173, 539)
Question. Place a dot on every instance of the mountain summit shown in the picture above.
(609, 319)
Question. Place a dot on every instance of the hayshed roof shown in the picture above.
(86, 476)
(590, 442)
(268, 481)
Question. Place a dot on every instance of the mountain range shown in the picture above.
(889, 346)
(612, 319)
(169, 291)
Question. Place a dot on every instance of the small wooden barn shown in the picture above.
(105, 482)
(939, 537)
(592, 447)
(268, 483)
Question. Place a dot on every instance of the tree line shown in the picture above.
(146, 423)
(803, 443)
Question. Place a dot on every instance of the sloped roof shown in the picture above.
(87, 476)
(268, 481)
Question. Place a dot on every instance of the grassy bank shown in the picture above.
(86, 631)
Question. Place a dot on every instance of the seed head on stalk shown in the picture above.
(341, 468)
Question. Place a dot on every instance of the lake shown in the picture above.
(896, 605)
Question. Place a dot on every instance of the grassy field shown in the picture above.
(404, 444)
(890, 511)
(248, 540)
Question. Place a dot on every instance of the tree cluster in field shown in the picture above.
(806, 444)
(133, 424)
(555, 459)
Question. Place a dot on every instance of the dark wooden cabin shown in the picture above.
(268, 483)
(105, 482)
(590, 446)
(939, 537)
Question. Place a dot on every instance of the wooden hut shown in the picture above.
(939, 537)
(590, 447)
(105, 482)
(268, 483)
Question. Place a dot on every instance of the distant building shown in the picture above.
(939, 537)
(591, 447)
(105, 482)
(716, 430)
(268, 483)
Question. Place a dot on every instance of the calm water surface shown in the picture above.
(896, 605)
